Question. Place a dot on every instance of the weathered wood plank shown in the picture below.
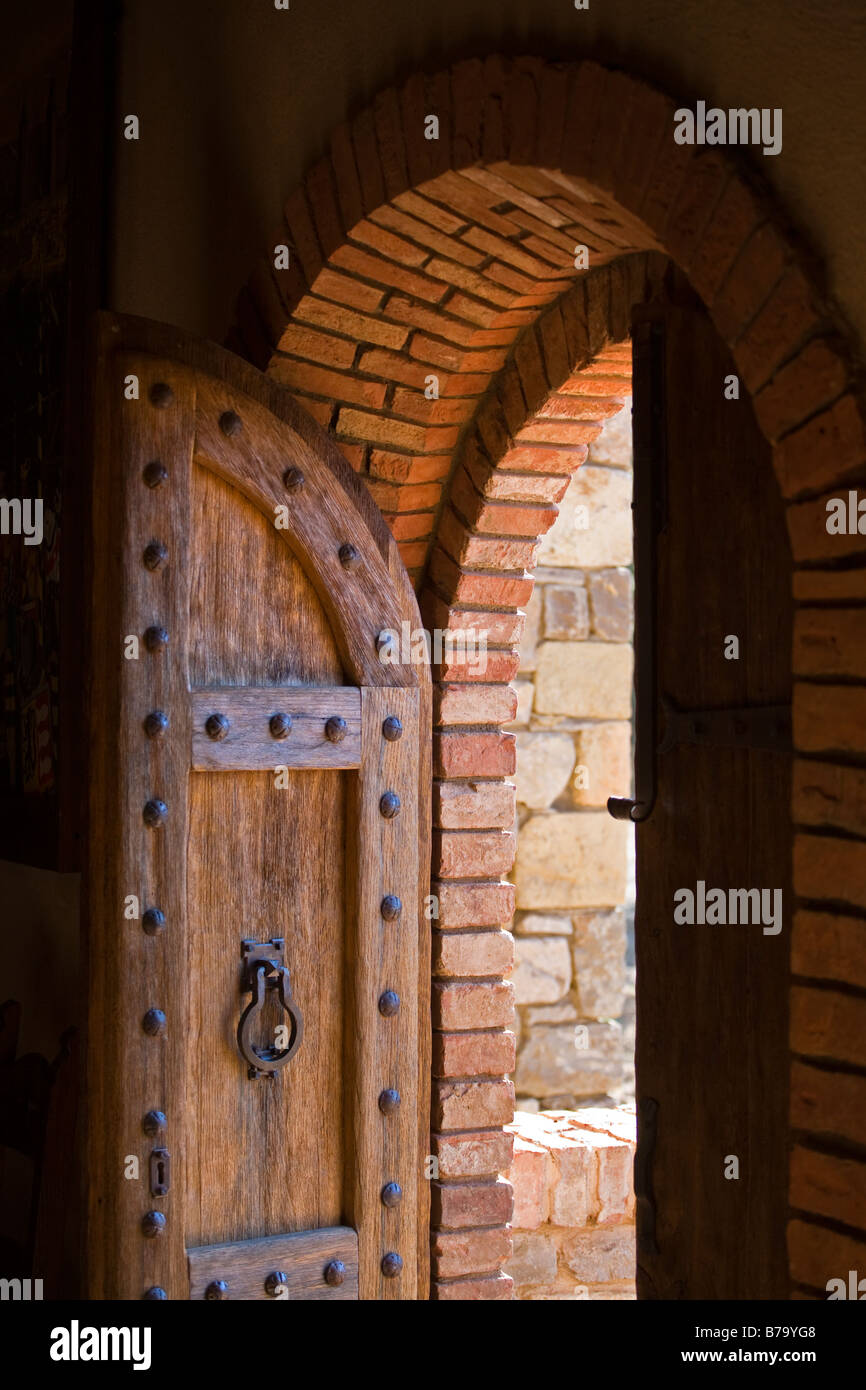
(248, 744)
(245, 1265)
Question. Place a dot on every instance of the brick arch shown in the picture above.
(455, 257)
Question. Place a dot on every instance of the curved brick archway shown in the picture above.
(455, 258)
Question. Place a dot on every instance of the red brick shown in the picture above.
(829, 1025)
(498, 519)
(394, 248)
(472, 853)
(474, 805)
(500, 486)
(469, 1252)
(393, 366)
(316, 347)
(830, 643)
(355, 455)
(466, 703)
(618, 94)
(646, 129)
(439, 100)
(501, 629)
(462, 666)
(426, 236)
(384, 272)
(540, 431)
(346, 179)
(319, 185)
(521, 112)
(367, 161)
(582, 115)
(354, 294)
(412, 527)
(820, 1183)
(481, 590)
(455, 1206)
(459, 1007)
(824, 946)
(474, 755)
(303, 376)
(473, 953)
(481, 553)
(508, 250)
(361, 327)
(824, 452)
(413, 108)
(530, 366)
(474, 1155)
(815, 377)
(302, 239)
(825, 794)
(487, 1053)
(817, 1254)
(414, 405)
(737, 215)
(409, 468)
(563, 407)
(320, 410)
(456, 275)
(694, 205)
(749, 282)
(672, 168)
(474, 905)
(826, 1102)
(829, 718)
(406, 497)
(490, 427)
(467, 98)
(413, 553)
(465, 307)
(491, 1287)
(378, 429)
(389, 136)
(465, 199)
(413, 203)
(437, 322)
(544, 458)
(789, 316)
(472, 1104)
(828, 868)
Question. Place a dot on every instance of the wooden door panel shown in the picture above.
(711, 1057)
(208, 832)
(250, 1140)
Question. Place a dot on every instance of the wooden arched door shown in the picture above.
(258, 841)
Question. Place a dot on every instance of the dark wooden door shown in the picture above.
(259, 791)
(712, 1061)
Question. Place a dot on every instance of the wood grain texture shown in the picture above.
(249, 745)
(128, 1072)
(250, 618)
(382, 1052)
(359, 603)
(712, 1000)
(265, 860)
(303, 1258)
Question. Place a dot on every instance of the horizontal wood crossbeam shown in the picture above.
(247, 743)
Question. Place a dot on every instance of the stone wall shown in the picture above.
(574, 751)
(573, 1223)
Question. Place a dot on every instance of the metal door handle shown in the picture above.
(265, 971)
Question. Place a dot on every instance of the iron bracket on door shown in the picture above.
(737, 726)
(264, 970)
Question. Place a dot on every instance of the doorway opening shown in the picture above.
(574, 975)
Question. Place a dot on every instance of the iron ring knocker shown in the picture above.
(264, 974)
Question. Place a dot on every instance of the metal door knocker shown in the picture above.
(264, 970)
